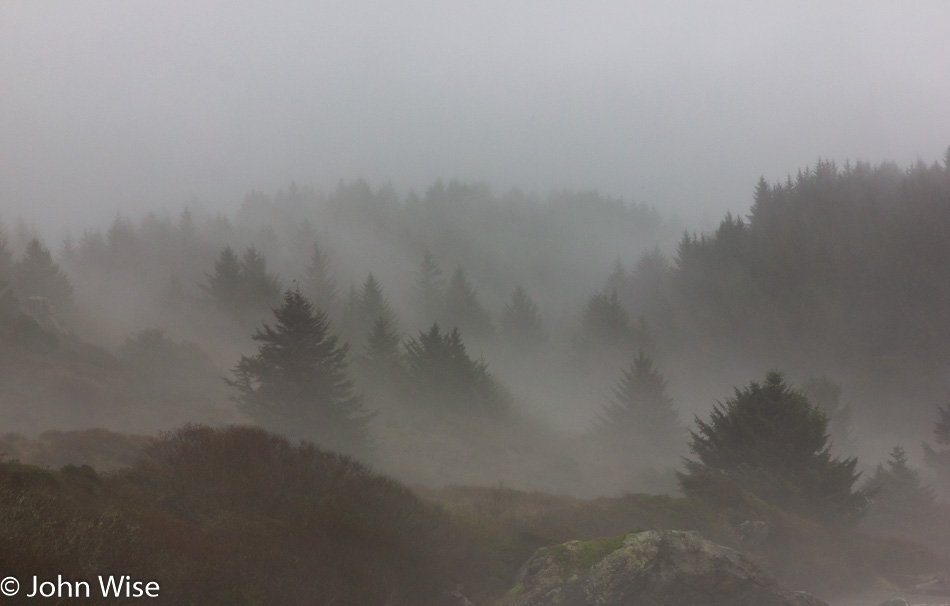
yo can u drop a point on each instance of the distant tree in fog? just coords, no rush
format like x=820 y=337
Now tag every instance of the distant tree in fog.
x=899 y=499
x=381 y=362
x=362 y=308
x=640 y=418
x=297 y=381
x=770 y=440
x=939 y=460
x=429 y=289
x=35 y=274
x=463 y=309
x=242 y=287
x=826 y=395
x=442 y=374
x=319 y=284
x=521 y=324
x=606 y=325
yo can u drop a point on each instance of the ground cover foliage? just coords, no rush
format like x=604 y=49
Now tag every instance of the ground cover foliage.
x=240 y=516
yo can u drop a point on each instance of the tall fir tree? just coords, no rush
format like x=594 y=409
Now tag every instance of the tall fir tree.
x=297 y=383
x=36 y=274
x=936 y=458
x=319 y=283
x=429 y=289
x=521 y=324
x=640 y=418
x=773 y=442
x=463 y=309
x=900 y=501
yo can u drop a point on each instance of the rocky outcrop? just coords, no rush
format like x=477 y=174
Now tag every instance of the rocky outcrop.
x=651 y=568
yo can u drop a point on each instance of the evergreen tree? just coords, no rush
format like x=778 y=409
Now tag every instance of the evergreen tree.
x=441 y=373
x=826 y=395
x=373 y=303
x=641 y=417
x=261 y=289
x=899 y=499
x=242 y=287
x=319 y=284
x=463 y=309
x=6 y=258
x=297 y=381
x=939 y=460
x=606 y=323
x=429 y=289
x=521 y=322
x=37 y=275
x=773 y=442
x=224 y=286
x=381 y=362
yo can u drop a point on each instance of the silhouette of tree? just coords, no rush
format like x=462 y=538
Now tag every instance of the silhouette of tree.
x=641 y=417
x=462 y=308
x=899 y=499
x=442 y=374
x=319 y=284
x=37 y=275
x=772 y=441
x=429 y=289
x=521 y=322
x=939 y=460
x=826 y=395
x=297 y=381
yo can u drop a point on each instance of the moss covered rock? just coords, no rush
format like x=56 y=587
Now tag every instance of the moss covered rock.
x=651 y=568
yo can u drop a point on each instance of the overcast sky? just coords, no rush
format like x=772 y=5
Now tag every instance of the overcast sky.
x=132 y=105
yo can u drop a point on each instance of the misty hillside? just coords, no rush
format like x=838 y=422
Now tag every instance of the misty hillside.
x=838 y=275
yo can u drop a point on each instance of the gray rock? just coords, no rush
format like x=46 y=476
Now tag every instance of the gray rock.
x=894 y=602
x=651 y=568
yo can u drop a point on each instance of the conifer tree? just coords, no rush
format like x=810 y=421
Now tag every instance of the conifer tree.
x=606 y=323
x=899 y=499
x=521 y=324
x=826 y=395
x=319 y=283
x=37 y=275
x=463 y=309
x=429 y=289
x=641 y=417
x=381 y=362
x=441 y=374
x=773 y=442
x=297 y=381
x=224 y=286
x=939 y=460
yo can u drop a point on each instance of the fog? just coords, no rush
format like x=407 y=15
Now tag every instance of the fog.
x=543 y=244
x=112 y=106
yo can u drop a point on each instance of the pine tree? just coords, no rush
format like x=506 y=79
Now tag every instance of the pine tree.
x=641 y=417
x=939 y=460
x=224 y=286
x=463 y=309
x=381 y=362
x=606 y=323
x=899 y=499
x=37 y=275
x=319 y=284
x=297 y=381
x=261 y=289
x=521 y=322
x=773 y=442
x=373 y=303
x=429 y=289
x=826 y=395
x=441 y=374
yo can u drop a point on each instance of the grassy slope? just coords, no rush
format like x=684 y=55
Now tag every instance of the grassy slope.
x=239 y=516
